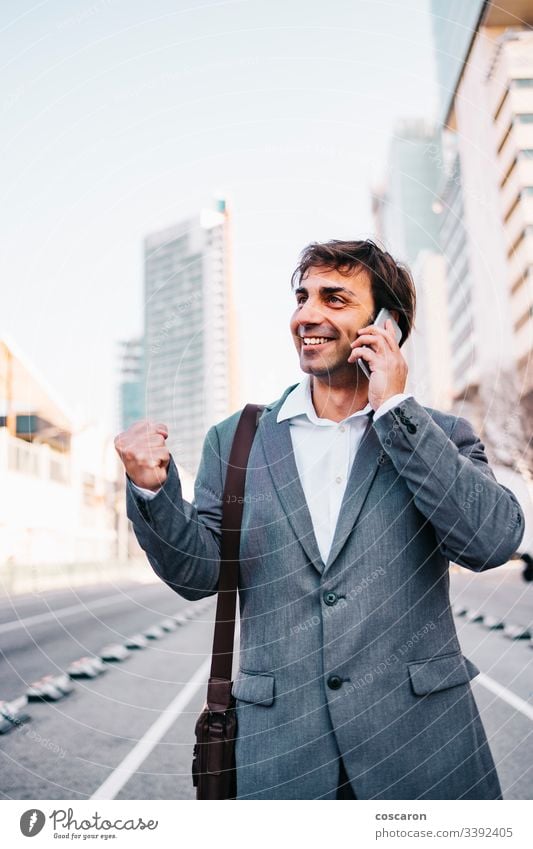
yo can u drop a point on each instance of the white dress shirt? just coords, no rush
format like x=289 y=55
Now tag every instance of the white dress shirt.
x=324 y=452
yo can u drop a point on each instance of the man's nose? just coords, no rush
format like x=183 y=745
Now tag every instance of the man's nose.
x=310 y=313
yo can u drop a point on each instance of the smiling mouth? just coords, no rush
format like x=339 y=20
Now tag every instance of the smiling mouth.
x=315 y=341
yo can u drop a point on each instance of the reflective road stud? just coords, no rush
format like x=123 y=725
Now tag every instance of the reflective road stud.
x=179 y=619
x=14 y=713
x=136 y=641
x=517 y=632
x=114 y=652
x=49 y=688
x=168 y=625
x=493 y=623
x=86 y=667
x=153 y=633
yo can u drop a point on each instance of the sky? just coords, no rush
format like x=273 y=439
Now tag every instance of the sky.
x=121 y=117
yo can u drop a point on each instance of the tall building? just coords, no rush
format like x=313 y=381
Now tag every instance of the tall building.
x=131 y=383
x=408 y=219
x=190 y=344
x=454 y=23
x=510 y=96
x=487 y=204
x=455 y=250
x=407 y=222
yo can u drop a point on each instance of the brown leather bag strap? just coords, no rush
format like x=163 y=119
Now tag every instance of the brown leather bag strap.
x=232 y=509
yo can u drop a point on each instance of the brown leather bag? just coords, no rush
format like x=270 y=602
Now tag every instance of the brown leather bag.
x=213 y=768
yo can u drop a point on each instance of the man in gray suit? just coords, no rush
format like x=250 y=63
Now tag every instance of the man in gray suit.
x=351 y=682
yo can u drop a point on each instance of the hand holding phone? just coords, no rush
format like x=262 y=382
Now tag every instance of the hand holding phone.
x=380 y=321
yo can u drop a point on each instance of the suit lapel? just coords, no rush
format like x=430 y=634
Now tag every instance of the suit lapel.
x=362 y=474
x=277 y=445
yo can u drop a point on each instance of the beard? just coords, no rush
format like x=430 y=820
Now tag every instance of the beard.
x=333 y=367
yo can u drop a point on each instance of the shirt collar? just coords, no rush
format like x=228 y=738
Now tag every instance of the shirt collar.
x=299 y=403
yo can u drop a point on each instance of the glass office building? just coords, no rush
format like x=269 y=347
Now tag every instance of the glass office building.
x=189 y=376
x=131 y=385
x=409 y=222
x=454 y=23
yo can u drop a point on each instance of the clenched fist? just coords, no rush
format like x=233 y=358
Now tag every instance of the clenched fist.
x=144 y=453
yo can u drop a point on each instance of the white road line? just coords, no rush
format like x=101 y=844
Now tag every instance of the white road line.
x=505 y=694
x=64 y=611
x=15 y=601
x=123 y=772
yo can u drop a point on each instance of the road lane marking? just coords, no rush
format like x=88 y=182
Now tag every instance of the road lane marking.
x=505 y=694
x=123 y=772
x=14 y=601
x=61 y=612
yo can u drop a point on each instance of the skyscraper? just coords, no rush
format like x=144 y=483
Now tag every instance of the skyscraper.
x=406 y=221
x=455 y=249
x=454 y=24
x=190 y=368
x=510 y=93
x=131 y=385
x=487 y=207
x=409 y=222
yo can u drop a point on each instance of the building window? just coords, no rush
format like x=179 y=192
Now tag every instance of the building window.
x=512 y=208
x=23 y=458
x=520 y=281
x=508 y=173
x=58 y=470
x=523 y=318
x=505 y=137
x=501 y=104
x=527 y=231
x=519 y=239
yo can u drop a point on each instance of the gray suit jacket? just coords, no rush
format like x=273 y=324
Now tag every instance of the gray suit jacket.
x=358 y=656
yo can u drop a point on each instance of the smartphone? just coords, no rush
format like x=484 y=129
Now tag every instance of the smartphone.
x=379 y=321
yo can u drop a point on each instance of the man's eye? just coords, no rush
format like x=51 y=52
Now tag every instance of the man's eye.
x=335 y=298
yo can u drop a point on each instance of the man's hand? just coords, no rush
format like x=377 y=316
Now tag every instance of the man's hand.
x=144 y=453
x=385 y=360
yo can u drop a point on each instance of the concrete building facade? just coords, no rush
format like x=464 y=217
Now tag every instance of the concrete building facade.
x=487 y=208
x=58 y=494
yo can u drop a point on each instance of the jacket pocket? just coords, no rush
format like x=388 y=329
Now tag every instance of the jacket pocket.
x=441 y=672
x=254 y=687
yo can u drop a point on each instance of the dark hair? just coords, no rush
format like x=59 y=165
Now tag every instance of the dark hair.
x=392 y=284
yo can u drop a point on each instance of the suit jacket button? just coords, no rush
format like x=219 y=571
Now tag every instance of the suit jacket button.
x=411 y=428
x=330 y=598
x=334 y=682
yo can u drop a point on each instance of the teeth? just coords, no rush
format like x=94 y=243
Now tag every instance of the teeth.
x=315 y=340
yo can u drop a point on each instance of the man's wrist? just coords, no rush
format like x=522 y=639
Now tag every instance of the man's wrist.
x=391 y=402
x=141 y=490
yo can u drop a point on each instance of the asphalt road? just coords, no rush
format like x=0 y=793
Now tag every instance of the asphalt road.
x=70 y=747
x=500 y=592
x=43 y=634
x=128 y=734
